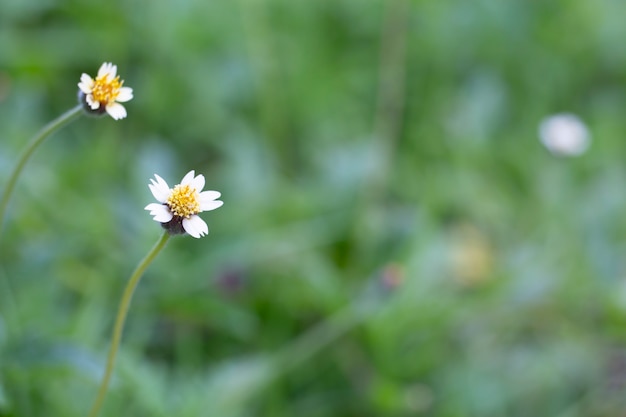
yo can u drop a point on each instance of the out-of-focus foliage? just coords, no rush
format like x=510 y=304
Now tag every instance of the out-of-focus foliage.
x=395 y=240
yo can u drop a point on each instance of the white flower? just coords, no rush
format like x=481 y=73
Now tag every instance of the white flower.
x=564 y=135
x=105 y=93
x=179 y=206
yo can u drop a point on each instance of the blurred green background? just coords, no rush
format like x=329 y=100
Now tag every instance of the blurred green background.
x=395 y=241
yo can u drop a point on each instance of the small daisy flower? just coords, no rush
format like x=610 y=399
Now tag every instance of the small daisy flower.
x=564 y=134
x=179 y=207
x=105 y=93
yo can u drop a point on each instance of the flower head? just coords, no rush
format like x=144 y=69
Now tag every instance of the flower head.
x=105 y=92
x=564 y=134
x=178 y=207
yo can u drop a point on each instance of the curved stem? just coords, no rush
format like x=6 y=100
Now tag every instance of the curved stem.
x=37 y=140
x=303 y=348
x=121 y=318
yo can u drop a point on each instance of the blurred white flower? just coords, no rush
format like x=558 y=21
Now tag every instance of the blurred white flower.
x=178 y=207
x=105 y=92
x=564 y=134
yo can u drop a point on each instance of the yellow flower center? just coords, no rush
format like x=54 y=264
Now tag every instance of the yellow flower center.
x=105 y=91
x=184 y=201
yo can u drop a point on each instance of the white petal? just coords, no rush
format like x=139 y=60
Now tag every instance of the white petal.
x=208 y=200
x=159 y=212
x=112 y=71
x=95 y=105
x=209 y=195
x=195 y=226
x=84 y=88
x=116 y=110
x=107 y=69
x=86 y=83
x=210 y=205
x=86 y=78
x=160 y=190
x=197 y=183
x=125 y=94
x=104 y=69
x=161 y=181
x=188 y=178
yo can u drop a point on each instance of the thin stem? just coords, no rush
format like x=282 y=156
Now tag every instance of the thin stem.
x=302 y=349
x=274 y=114
x=121 y=318
x=313 y=341
x=37 y=140
x=388 y=123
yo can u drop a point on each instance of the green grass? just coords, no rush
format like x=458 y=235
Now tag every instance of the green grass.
x=353 y=142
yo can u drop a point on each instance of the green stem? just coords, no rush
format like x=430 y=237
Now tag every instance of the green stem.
x=302 y=349
x=37 y=140
x=121 y=318
x=313 y=341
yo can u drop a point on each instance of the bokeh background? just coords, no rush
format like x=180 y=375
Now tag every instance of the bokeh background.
x=395 y=240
